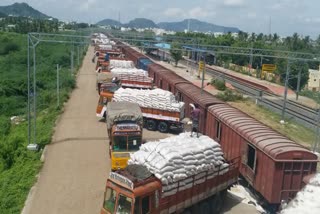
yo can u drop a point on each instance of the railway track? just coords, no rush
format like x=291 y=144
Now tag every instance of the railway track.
x=299 y=112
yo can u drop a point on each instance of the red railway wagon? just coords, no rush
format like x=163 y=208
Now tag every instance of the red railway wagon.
x=189 y=93
x=153 y=69
x=168 y=80
x=274 y=165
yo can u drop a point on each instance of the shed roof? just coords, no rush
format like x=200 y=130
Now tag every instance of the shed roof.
x=261 y=136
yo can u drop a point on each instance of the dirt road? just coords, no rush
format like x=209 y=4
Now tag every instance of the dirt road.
x=75 y=169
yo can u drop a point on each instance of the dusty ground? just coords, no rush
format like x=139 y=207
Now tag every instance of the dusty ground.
x=76 y=164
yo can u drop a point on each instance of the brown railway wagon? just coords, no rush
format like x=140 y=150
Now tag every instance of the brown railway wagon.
x=189 y=93
x=273 y=164
x=168 y=80
x=153 y=69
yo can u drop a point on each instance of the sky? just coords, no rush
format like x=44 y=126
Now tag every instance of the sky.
x=287 y=16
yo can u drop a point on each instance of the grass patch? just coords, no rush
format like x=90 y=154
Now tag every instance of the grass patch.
x=292 y=130
x=18 y=166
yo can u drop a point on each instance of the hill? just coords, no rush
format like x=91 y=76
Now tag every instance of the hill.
x=196 y=25
x=141 y=23
x=109 y=22
x=22 y=9
x=2 y=15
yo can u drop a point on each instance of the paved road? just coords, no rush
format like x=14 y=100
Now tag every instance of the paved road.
x=73 y=176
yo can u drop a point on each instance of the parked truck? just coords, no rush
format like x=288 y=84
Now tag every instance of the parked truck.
x=135 y=190
x=124 y=124
x=160 y=110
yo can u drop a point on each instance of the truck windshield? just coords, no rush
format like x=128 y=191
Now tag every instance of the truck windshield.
x=120 y=143
x=109 y=199
x=124 y=204
x=134 y=142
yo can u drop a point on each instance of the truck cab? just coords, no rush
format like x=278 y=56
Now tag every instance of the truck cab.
x=126 y=138
x=125 y=125
x=125 y=196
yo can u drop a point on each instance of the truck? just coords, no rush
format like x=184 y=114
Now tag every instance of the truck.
x=155 y=108
x=133 y=78
x=124 y=125
x=136 y=190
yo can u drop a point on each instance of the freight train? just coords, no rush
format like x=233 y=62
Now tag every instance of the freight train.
x=272 y=164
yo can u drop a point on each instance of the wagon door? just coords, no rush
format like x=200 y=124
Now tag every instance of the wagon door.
x=249 y=160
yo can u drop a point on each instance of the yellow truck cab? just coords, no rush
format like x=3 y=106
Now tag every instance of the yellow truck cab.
x=125 y=124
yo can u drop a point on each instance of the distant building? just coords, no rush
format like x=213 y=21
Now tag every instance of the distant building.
x=314 y=80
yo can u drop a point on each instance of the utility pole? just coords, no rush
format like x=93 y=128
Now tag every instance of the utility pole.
x=71 y=62
x=58 y=86
x=315 y=146
x=78 y=49
x=285 y=92
x=298 y=84
x=203 y=71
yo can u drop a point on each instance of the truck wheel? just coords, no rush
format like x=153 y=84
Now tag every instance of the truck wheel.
x=151 y=125
x=163 y=127
x=205 y=208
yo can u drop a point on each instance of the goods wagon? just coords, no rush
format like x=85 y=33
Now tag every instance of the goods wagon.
x=143 y=63
x=153 y=69
x=189 y=93
x=273 y=165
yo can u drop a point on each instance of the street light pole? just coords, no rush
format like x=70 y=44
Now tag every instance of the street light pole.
x=203 y=70
x=285 y=92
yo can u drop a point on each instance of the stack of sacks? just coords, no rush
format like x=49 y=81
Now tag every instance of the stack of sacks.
x=121 y=64
x=155 y=99
x=127 y=71
x=173 y=160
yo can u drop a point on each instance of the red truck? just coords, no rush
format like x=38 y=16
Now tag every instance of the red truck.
x=136 y=190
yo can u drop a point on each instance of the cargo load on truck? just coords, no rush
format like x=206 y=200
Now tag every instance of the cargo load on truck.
x=159 y=107
x=123 y=111
x=199 y=176
x=121 y=64
x=178 y=157
x=133 y=78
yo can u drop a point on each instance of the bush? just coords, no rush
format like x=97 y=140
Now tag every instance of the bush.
x=5 y=125
x=230 y=95
x=219 y=84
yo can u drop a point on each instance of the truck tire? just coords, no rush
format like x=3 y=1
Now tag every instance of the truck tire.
x=151 y=125
x=205 y=208
x=163 y=127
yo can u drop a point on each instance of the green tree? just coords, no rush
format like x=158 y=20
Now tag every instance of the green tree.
x=176 y=52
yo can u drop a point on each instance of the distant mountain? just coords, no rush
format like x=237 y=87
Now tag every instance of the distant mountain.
x=196 y=25
x=109 y=22
x=22 y=9
x=2 y=15
x=141 y=23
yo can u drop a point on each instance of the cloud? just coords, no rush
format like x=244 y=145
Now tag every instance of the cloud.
x=174 y=12
x=234 y=3
x=312 y=20
x=86 y=5
x=251 y=15
x=199 y=12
